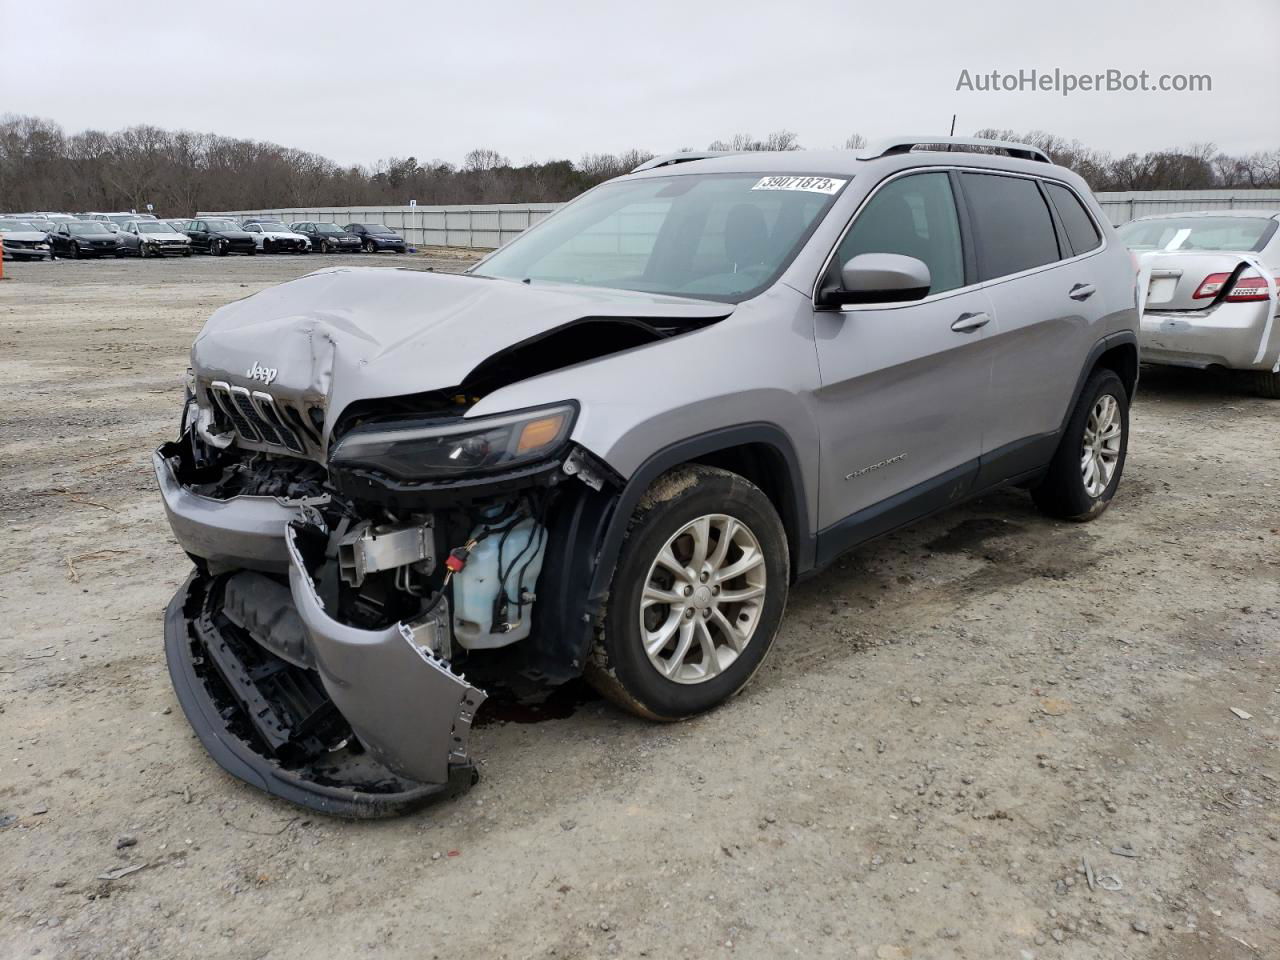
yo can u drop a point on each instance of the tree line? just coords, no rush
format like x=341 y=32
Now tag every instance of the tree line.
x=42 y=167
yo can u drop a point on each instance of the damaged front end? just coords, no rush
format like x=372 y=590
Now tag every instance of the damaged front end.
x=318 y=649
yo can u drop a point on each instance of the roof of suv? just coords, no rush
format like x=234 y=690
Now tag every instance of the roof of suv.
x=850 y=163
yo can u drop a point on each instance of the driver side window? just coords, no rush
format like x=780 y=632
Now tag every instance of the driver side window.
x=914 y=216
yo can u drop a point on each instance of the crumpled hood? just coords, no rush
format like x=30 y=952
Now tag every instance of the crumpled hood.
x=346 y=334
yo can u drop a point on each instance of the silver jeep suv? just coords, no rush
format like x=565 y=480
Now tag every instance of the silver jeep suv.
x=611 y=447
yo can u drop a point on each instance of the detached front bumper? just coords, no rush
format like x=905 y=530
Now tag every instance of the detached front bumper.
x=347 y=721
x=1228 y=335
x=240 y=533
x=231 y=692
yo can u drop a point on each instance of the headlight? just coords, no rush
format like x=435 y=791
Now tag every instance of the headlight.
x=441 y=449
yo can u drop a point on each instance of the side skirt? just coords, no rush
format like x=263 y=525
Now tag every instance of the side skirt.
x=1018 y=462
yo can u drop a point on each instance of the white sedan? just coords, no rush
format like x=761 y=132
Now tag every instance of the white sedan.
x=1211 y=298
x=272 y=236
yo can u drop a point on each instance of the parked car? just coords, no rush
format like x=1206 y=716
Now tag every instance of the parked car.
x=220 y=236
x=86 y=238
x=1211 y=301
x=152 y=238
x=389 y=478
x=374 y=237
x=272 y=236
x=23 y=241
x=327 y=237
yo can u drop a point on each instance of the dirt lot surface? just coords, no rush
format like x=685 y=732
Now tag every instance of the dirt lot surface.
x=955 y=721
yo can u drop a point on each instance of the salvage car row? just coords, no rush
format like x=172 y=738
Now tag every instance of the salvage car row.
x=53 y=235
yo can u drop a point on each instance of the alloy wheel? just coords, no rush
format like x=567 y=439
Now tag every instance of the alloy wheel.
x=1100 y=450
x=703 y=599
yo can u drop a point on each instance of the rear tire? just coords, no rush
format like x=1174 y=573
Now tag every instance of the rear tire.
x=667 y=660
x=1267 y=384
x=1086 y=469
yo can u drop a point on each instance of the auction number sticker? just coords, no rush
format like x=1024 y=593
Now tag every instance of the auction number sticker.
x=826 y=185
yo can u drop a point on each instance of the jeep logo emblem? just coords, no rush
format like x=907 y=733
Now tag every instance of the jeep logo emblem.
x=259 y=372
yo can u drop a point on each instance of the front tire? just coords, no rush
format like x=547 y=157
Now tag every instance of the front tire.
x=1267 y=384
x=697 y=596
x=1084 y=473
x=369 y=247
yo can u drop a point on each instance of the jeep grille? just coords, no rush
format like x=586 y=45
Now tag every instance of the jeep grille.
x=259 y=419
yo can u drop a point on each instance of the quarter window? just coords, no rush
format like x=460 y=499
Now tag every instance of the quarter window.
x=914 y=216
x=1011 y=222
x=1082 y=233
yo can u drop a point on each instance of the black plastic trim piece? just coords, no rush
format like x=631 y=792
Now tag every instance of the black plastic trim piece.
x=938 y=493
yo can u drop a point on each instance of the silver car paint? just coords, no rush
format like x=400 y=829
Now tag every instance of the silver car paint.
x=1181 y=331
x=851 y=389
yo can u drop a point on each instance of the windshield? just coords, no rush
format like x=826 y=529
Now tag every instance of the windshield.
x=87 y=228
x=328 y=228
x=272 y=226
x=716 y=236
x=1197 y=233
x=6 y=224
x=376 y=228
x=148 y=226
x=222 y=225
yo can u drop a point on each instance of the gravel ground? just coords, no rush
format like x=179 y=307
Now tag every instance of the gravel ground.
x=960 y=726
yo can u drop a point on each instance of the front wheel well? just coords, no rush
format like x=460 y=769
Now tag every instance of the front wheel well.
x=767 y=468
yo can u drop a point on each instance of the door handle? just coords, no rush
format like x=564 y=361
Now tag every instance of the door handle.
x=969 y=322
x=1081 y=291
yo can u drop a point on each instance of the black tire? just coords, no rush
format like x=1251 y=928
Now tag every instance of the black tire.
x=1062 y=492
x=186 y=252
x=252 y=251
x=1267 y=384
x=619 y=666
x=75 y=251
x=369 y=247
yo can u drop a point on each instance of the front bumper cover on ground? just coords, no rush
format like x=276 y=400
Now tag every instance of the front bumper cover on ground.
x=378 y=728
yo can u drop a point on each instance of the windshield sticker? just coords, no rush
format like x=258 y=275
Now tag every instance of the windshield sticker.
x=828 y=185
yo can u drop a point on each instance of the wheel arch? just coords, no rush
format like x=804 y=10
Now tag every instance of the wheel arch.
x=597 y=525
x=1117 y=351
x=760 y=452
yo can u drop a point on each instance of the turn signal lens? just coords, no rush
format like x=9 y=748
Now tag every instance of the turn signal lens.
x=540 y=433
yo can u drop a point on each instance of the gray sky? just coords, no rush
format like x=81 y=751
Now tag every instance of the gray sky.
x=555 y=80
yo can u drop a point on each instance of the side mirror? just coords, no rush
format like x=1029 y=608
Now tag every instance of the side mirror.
x=878 y=278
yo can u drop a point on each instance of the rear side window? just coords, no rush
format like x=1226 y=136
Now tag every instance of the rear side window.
x=914 y=216
x=1082 y=233
x=1012 y=223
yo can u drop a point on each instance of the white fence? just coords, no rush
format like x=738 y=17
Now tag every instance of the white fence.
x=487 y=226
x=1123 y=207
x=484 y=226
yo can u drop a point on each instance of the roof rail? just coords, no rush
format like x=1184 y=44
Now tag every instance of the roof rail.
x=668 y=159
x=894 y=145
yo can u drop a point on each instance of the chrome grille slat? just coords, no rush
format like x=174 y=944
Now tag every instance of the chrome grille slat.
x=258 y=418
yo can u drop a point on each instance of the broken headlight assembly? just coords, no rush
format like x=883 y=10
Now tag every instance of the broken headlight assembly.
x=425 y=449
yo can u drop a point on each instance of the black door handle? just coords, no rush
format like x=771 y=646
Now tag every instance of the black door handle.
x=1081 y=291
